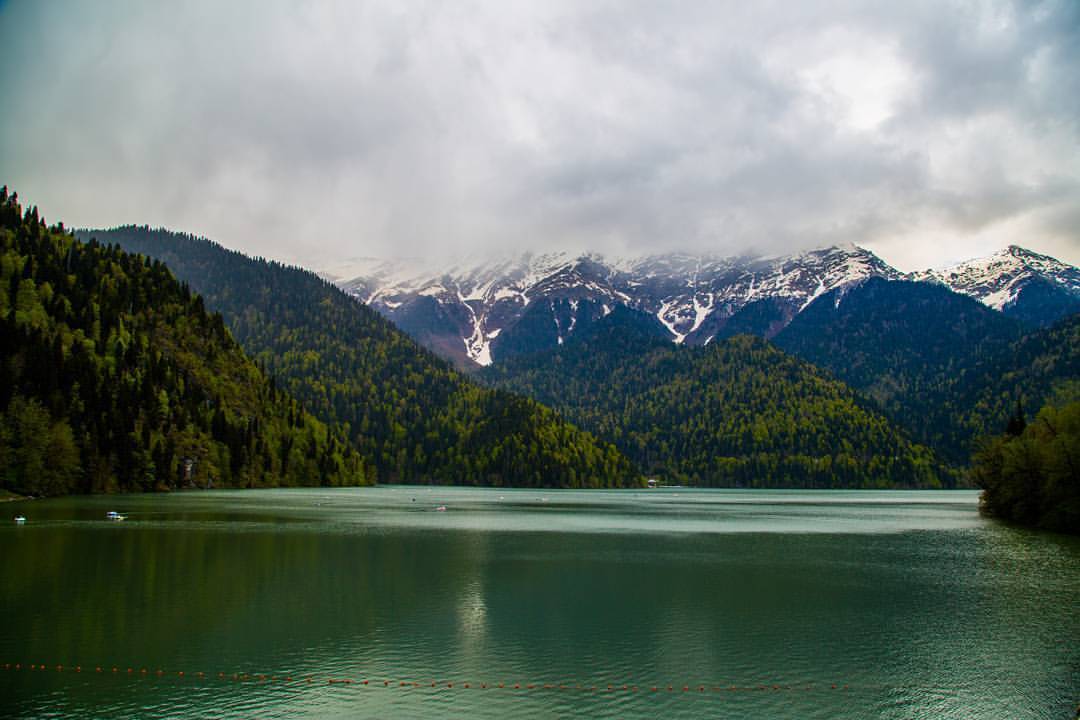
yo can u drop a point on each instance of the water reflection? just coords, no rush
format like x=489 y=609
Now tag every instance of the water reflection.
x=926 y=611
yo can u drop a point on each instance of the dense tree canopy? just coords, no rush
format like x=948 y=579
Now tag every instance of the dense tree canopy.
x=736 y=412
x=1031 y=475
x=941 y=365
x=115 y=377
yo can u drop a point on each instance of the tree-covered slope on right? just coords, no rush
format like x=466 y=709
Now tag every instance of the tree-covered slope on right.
x=942 y=365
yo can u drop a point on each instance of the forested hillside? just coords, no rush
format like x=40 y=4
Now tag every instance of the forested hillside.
x=1031 y=473
x=411 y=414
x=113 y=376
x=736 y=412
x=941 y=365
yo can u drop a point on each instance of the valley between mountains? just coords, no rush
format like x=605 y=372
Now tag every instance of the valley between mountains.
x=824 y=369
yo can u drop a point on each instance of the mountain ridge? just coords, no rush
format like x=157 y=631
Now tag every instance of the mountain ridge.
x=469 y=311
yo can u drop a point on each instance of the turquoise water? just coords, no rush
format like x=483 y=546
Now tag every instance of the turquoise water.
x=745 y=604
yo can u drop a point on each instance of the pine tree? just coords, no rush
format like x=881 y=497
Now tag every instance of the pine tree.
x=1017 y=422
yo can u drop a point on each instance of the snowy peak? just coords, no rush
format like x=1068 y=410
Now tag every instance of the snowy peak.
x=999 y=280
x=475 y=312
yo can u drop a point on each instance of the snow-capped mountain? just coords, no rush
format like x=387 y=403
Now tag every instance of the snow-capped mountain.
x=1035 y=288
x=477 y=312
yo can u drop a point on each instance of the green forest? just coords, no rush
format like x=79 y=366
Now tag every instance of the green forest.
x=942 y=366
x=116 y=377
x=143 y=359
x=734 y=413
x=1031 y=473
x=411 y=415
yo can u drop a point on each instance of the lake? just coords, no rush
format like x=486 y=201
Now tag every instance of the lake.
x=512 y=603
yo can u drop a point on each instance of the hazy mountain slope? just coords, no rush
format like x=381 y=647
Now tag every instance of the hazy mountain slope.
x=112 y=373
x=415 y=417
x=737 y=412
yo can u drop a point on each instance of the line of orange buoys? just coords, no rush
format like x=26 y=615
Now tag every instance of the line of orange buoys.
x=409 y=684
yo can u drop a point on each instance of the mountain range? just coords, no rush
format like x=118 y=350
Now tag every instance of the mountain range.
x=411 y=415
x=481 y=312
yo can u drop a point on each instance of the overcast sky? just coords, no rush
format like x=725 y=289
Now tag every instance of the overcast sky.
x=317 y=131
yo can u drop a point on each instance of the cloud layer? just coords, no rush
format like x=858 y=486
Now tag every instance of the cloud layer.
x=929 y=131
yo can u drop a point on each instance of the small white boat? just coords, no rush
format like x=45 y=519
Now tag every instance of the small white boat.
x=20 y=520
x=441 y=508
x=115 y=516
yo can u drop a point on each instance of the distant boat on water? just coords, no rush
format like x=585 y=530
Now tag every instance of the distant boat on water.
x=20 y=520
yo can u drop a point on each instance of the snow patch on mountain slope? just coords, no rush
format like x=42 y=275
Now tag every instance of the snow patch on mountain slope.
x=691 y=295
x=997 y=280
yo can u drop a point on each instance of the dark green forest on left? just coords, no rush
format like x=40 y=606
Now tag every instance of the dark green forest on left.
x=116 y=377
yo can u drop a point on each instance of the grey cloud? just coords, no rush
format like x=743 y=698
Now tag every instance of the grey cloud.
x=320 y=131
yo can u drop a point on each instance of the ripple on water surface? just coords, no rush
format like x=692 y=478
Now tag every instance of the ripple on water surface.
x=745 y=604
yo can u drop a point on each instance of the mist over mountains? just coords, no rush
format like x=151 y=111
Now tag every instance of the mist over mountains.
x=480 y=311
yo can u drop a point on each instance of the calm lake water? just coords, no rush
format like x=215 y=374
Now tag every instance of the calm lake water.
x=745 y=604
